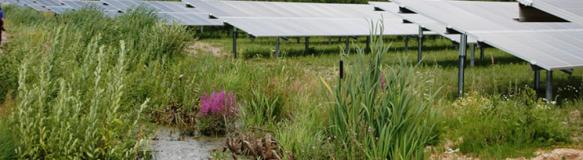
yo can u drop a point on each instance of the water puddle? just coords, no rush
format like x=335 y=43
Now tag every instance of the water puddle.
x=172 y=145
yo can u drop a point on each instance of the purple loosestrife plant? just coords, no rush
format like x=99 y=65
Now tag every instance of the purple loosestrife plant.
x=217 y=111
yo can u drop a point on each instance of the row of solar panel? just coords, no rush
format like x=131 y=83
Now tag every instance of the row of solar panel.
x=260 y=19
x=172 y=12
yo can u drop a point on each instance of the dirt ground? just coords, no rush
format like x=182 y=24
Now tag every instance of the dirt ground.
x=198 y=47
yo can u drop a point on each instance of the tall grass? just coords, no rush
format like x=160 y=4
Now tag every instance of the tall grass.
x=380 y=115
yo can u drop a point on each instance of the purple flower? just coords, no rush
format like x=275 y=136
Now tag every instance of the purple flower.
x=218 y=103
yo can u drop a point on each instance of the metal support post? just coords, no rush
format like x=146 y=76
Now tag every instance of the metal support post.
x=536 y=71
x=481 y=52
x=420 y=45
x=462 y=59
x=473 y=54
x=549 y=92
x=234 y=42
x=347 y=48
x=406 y=42
x=277 y=49
x=306 y=44
x=368 y=40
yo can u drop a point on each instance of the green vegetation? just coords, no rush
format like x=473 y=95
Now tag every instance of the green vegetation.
x=83 y=86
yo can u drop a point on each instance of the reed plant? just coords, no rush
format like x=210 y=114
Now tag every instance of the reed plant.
x=380 y=113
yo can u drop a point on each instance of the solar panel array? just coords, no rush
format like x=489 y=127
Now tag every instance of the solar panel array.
x=285 y=19
x=494 y=23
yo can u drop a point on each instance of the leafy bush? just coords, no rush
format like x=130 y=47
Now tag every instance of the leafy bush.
x=370 y=122
x=217 y=114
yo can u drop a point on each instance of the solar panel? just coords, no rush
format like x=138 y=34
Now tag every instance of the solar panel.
x=423 y=21
x=494 y=23
x=547 y=49
x=121 y=5
x=188 y=19
x=165 y=6
x=473 y=16
x=30 y=4
x=178 y=13
x=571 y=10
x=47 y=2
x=59 y=9
x=223 y=9
x=303 y=27
x=9 y=1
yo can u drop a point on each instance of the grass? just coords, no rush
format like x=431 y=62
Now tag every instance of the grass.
x=87 y=86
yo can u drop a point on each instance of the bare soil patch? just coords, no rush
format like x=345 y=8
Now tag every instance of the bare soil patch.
x=199 y=47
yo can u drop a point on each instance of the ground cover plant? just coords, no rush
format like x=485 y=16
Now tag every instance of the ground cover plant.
x=83 y=86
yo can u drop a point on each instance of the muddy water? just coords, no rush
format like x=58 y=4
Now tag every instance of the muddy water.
x=170 y=144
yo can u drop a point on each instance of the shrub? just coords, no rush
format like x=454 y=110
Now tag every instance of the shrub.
x=217 y=113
